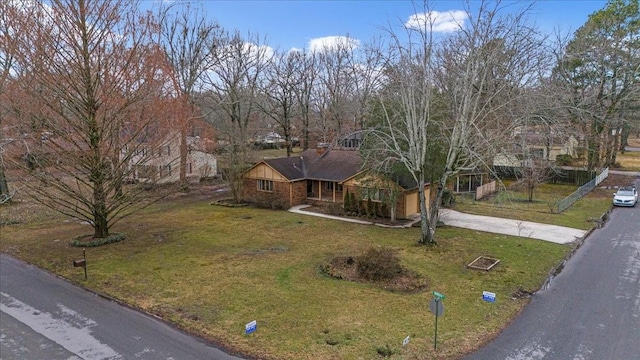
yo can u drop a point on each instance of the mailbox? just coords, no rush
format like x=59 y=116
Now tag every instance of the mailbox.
x=80 y=263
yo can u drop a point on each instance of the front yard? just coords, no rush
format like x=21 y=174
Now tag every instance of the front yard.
x=212 y=269
x=515 y=205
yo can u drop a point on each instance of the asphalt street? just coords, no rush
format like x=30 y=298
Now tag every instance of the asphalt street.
x=591 y=310
x=44 y=317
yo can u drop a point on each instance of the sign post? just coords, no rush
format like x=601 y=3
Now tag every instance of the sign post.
x=406 y=340
x=488 y=296
x=437 y=308
x=250 y=327
x=82 y=263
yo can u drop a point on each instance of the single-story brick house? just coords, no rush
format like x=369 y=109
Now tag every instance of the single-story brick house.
x=320 y=176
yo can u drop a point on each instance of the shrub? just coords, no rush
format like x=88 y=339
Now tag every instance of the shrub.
x=448 y=198
x=385 y=351
x=379 y=264
x=564 y=160
x=113 y=238
x=271 y=203
x=335 y=209
x=358 y=207
x=369 y=210
x=384 y=210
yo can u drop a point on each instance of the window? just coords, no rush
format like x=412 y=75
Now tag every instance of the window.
x=373 y=194
x=165 y=170
x=141 y=151
x=164 y=150
x=265 y=185
x=331 y=185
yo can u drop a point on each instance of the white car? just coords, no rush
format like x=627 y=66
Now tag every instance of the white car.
x=625 y=196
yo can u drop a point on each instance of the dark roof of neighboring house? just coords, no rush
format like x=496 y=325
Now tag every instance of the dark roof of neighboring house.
x=405 y=180
x=318 y=164
x=537 y=139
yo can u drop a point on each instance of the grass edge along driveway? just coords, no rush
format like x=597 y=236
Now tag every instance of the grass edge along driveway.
x=210 y=270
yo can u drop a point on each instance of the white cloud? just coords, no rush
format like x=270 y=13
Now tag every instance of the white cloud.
x=447 y=21
x=260 y=52
x=329 y=43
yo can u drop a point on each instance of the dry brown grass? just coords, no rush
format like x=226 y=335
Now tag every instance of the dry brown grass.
x=211 y=269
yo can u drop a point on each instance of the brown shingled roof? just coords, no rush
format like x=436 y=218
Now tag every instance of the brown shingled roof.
x=328 y=165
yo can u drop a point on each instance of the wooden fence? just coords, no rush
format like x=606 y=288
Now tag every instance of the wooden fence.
x=485 y=190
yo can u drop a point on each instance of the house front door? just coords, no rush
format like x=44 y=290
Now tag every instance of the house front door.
x=310 y=188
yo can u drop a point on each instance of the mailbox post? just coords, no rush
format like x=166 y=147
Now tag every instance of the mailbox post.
x=82 y=263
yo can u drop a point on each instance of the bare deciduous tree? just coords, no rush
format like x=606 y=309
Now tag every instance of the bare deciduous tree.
x=455 y=95
x=189 y=42
x=92 y=91
x=406 y=102
x=10 y=28
x=282 y=81
x=334 y=89
x=307 y=73
x=232 y=87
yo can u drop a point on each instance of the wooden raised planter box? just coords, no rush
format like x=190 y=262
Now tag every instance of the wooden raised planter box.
x=483 y=263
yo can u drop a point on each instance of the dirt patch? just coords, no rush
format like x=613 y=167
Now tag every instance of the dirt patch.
x=346 y=268
x=213 y=190
x=24 y=209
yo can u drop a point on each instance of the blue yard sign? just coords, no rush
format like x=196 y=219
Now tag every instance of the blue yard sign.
x=488 y=296
x=250 y=327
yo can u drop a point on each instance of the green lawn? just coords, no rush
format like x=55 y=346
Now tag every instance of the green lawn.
x=212 y=269
x=629 y=161
x=515 y=205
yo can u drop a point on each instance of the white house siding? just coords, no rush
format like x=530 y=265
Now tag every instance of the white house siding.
x=162 y=164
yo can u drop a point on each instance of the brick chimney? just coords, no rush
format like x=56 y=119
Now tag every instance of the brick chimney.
x=321 y=148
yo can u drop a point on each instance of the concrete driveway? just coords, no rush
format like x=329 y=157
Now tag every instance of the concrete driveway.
x=553 y=233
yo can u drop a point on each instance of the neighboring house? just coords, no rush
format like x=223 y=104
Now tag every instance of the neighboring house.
x=352 y=140
x=319 y=176
x=468 y=181
x=273 y=140
x=162 y=163
x=532 y=144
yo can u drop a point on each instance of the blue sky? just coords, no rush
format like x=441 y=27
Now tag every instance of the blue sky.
x=294 y=23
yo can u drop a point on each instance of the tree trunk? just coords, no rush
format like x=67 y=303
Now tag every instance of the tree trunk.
x=624 y=138
x=593 y=152
x=184 y=149
x=100 y=223
x=5 y=196
x=428 y=231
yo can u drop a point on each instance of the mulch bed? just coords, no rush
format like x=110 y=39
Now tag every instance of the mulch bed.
x=376 y=220
x=346 y=268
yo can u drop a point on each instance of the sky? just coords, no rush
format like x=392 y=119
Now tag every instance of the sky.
x=300 y=24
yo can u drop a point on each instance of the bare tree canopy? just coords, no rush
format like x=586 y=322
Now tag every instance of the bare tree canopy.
x=189 y=42
x=232 y=87
x=88 y=105
x=449 y=100
x=279 y=89
x=598 y=79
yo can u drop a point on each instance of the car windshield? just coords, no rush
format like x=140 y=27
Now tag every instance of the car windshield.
x=625 y=193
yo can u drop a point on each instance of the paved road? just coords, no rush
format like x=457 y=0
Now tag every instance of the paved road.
x=44 y=317
x=591 y=310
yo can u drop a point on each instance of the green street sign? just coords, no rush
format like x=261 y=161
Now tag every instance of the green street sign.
x=438 y=295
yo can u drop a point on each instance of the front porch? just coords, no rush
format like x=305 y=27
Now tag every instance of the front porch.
x=320 y=190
